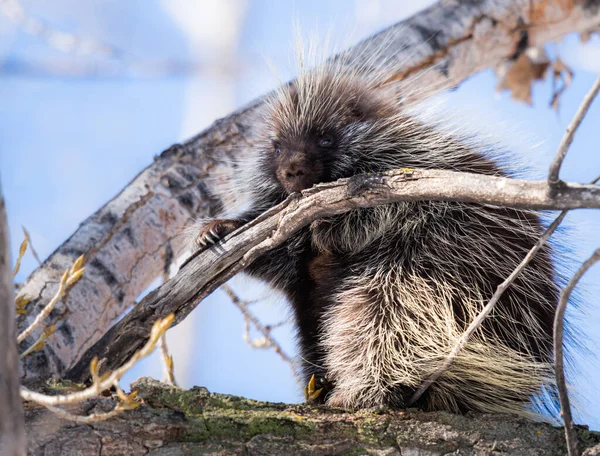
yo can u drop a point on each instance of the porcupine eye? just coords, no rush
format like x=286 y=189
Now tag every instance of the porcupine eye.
x=276 y=149
x=325 y=141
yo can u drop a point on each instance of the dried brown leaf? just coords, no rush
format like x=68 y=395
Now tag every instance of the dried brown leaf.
x=519 y=78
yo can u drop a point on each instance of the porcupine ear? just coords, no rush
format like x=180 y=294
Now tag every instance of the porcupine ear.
x=293 y=92
x=365 y=108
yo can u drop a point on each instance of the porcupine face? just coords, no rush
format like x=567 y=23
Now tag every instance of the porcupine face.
x=315 y=127
x=300 y=161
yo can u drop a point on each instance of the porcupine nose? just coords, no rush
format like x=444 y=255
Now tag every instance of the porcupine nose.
x=296 y=176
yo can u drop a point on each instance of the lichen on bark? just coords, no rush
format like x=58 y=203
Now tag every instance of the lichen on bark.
x=174 y=421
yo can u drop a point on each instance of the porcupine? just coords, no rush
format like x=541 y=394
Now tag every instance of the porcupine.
x=381 y=295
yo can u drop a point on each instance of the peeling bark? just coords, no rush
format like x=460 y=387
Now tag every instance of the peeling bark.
x=173 y=422
x=125 y=242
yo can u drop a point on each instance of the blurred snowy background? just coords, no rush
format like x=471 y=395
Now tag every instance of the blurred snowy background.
x=90 y=91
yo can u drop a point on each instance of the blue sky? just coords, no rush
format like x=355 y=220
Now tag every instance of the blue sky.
x=69 y=144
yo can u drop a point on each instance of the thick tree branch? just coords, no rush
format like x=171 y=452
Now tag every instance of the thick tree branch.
x=173 y=422
x=207 y=270
x=12 y=428
x=124 y=242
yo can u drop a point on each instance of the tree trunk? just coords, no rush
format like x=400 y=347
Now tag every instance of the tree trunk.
x=12 y=429
x=173 y=422
x=126 y=242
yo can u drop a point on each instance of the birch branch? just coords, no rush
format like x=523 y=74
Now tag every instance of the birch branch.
x=124 y=242
x=208 y=269
x=12 y=426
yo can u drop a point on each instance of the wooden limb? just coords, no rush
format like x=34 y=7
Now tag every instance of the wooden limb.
x=559 y=323
x=172 y=421
x=124 y=242
x=12 y=427
x=208 y=269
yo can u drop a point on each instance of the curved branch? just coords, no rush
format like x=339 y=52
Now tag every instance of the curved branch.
x=208 y=269
x=561 y=153
x=559 y=323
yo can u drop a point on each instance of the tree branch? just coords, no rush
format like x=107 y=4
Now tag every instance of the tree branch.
x=124 y=242
x=172 y=421
x=553 y=174
x=270 y=342
x=12 y=428
x=208 y=269
x=559 y=324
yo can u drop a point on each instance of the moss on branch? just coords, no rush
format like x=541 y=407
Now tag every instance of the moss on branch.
x=173 y=421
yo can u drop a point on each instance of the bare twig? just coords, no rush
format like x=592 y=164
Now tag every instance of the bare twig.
x=563 y=396
x=167 y=360
x=40 y=342
x=91 y=418
x=269 y=341
x=33 y=251
x=22 y=250
x=106 y=381
x=127 y=402
x=490 y=305
x=553 y=174
x=70 y=277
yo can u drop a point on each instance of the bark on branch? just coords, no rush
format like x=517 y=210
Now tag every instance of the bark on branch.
x=12 y=429
x=175 y=422
x=207 y=270
x=126 y=241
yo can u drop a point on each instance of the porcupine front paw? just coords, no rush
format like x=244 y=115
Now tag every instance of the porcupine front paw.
x=215 y=230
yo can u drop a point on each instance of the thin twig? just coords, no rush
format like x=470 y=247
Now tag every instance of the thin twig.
x=570 y=434
x=490 y=305
x=167 y=360
x=40 y=342
x=22 y=250
x=91 y=418
x=266 y=333
x=33 y=251
x=553 y=174
x=107 y=380
x=70 y=277
x=162 y=342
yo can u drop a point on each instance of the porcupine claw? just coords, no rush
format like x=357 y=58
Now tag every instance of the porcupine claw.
x=310 y=391
x=215 y=230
